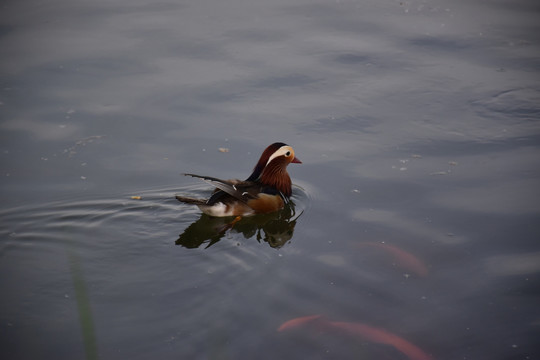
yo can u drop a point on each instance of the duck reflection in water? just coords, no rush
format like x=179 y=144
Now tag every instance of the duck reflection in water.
x=276 y=228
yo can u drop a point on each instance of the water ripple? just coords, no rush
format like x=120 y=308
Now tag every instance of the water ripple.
x=148 y=213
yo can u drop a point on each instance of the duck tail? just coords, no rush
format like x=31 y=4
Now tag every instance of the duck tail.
x=188 y=200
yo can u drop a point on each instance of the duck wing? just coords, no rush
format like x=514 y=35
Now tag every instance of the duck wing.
x=241 y=190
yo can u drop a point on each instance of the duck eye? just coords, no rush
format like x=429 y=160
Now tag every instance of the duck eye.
x=288 y=153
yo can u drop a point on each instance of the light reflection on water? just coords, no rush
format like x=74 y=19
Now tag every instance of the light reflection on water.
x=417 y=124
x=119 y=255
x=109 y=246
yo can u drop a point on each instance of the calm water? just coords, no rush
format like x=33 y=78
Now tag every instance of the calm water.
x=416 y=209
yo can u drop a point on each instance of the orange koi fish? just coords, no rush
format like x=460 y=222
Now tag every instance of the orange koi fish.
x=299 y=321
x=402 y=258
x=363 y=331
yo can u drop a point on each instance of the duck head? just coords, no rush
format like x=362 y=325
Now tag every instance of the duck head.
x=271 y=169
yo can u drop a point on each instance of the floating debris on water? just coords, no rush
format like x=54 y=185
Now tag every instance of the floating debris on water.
x=402 y=168
x=136 y=197
x=440 y=173
x=223 y=150
x=83 y=142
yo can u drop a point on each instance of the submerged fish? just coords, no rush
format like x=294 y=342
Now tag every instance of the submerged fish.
x=402 y=258
x=363 y=331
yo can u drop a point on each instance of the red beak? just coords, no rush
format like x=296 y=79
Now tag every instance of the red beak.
x=296 y=161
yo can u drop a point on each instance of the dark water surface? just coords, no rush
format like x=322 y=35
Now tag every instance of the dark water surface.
x=417 y=206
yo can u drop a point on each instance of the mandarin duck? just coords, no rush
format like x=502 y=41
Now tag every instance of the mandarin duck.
x=266 y=190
